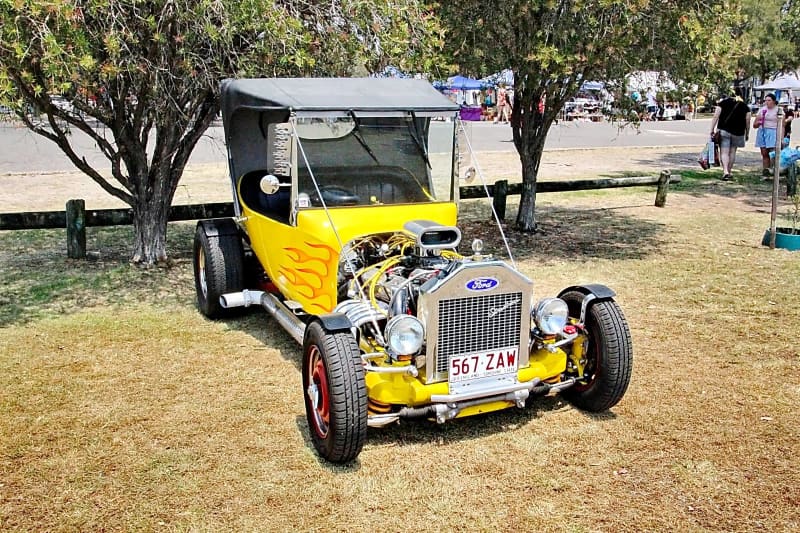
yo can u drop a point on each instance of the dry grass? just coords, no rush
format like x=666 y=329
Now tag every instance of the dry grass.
x=121 y=408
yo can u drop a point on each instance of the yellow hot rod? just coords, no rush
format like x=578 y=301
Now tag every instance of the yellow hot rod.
x=346 y=198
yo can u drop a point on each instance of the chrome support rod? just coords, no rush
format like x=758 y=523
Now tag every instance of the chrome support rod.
x=302 y=151
x=486 y=189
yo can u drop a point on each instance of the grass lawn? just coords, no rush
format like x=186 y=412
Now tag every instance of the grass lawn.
x=122 y=408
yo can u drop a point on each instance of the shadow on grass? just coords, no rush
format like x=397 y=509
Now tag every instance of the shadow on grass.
x=260 y=325
x=344 y=468
x=39 y=280
x=747 y=184
x=571 y=234
x=420 y=431
x=748 y=187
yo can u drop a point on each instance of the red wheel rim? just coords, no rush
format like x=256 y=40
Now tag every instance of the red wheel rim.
x=318 y=393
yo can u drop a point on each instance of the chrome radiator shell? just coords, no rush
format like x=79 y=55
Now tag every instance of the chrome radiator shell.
x=477 y=306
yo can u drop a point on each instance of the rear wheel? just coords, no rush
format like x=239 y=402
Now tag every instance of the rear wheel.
x=609 y=355
x=335 y=393
x=218 y=266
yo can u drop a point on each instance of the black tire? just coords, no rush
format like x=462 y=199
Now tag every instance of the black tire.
x=218 y=269
x=335 y=393
x=609 y=355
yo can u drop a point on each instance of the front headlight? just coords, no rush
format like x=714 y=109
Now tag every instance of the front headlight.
x=405 y=334
x=551 y=315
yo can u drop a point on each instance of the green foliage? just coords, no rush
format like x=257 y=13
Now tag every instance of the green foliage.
x=790 y=29
x=554 y=45
x=769 y=36
x=150 y=71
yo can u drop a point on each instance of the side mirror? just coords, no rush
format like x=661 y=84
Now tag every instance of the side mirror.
x=469 y=175
x=270 y=184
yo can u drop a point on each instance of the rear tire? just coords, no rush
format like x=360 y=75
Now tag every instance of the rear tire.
x=335 y=393
x=218 y=268
x=609 y=355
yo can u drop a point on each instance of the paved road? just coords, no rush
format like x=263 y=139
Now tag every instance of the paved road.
x=490 y=137
x=22 y=151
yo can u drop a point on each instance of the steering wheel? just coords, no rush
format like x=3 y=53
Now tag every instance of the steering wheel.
x=335 y=196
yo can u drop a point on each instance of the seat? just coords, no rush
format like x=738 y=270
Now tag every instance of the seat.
x=275 y=206
x=370 y=184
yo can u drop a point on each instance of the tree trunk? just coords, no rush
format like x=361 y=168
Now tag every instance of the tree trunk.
x=150 y=217
x=531 y=117
x=150 y=233
x=526 y=216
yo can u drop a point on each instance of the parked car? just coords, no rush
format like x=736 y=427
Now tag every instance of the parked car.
x=346 y=199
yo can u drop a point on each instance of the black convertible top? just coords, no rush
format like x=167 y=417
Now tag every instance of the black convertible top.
x=250 y=106
x=331 y=94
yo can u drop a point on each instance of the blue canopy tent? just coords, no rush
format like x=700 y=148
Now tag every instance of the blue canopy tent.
x=469 y=111
x=465 y=84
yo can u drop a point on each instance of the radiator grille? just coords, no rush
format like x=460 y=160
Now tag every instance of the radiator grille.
x=476 y=324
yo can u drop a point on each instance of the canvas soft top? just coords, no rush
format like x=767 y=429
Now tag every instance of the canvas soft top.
x=249 y=106
x=331 y=94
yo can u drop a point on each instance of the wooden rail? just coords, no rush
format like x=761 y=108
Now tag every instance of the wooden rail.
x=501 y=190
x=109 y=217
x=76 y=218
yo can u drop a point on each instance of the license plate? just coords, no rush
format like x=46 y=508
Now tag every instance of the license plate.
x=482 y=364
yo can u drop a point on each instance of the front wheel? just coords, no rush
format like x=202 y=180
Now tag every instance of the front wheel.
x=609 y=355
x=335 y=393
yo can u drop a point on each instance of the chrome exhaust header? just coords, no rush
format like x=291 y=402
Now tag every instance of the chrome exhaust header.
x=288 y=320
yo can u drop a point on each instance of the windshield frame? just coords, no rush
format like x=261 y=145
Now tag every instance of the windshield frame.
x=445 y=189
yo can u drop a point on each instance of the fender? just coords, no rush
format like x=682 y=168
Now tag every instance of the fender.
x=215 y=227
x=600 y=292
x=592 y=292
x=335 y=322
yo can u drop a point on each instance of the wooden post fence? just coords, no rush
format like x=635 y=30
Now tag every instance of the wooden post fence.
x=499 y=198
x=76 y=229
x=501 y=190
x=663 y=187
x=76 y=218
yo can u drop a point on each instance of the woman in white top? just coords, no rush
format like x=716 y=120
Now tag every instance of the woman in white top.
x=767 y=123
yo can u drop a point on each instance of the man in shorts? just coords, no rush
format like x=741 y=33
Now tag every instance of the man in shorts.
x=731 y=119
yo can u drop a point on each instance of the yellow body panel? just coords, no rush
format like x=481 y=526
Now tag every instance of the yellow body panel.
x=483 y=408
x=402 y=389
x=302 y=260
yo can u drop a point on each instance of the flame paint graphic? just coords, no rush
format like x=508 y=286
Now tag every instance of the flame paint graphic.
x=313 y=266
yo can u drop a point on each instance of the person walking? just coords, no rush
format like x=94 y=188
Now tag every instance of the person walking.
x=652 y=103
x=767 y=123
x=731 y=119
x=502 y=105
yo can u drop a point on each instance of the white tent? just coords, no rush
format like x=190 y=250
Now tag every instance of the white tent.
x=782 y=82
x=643 y=79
